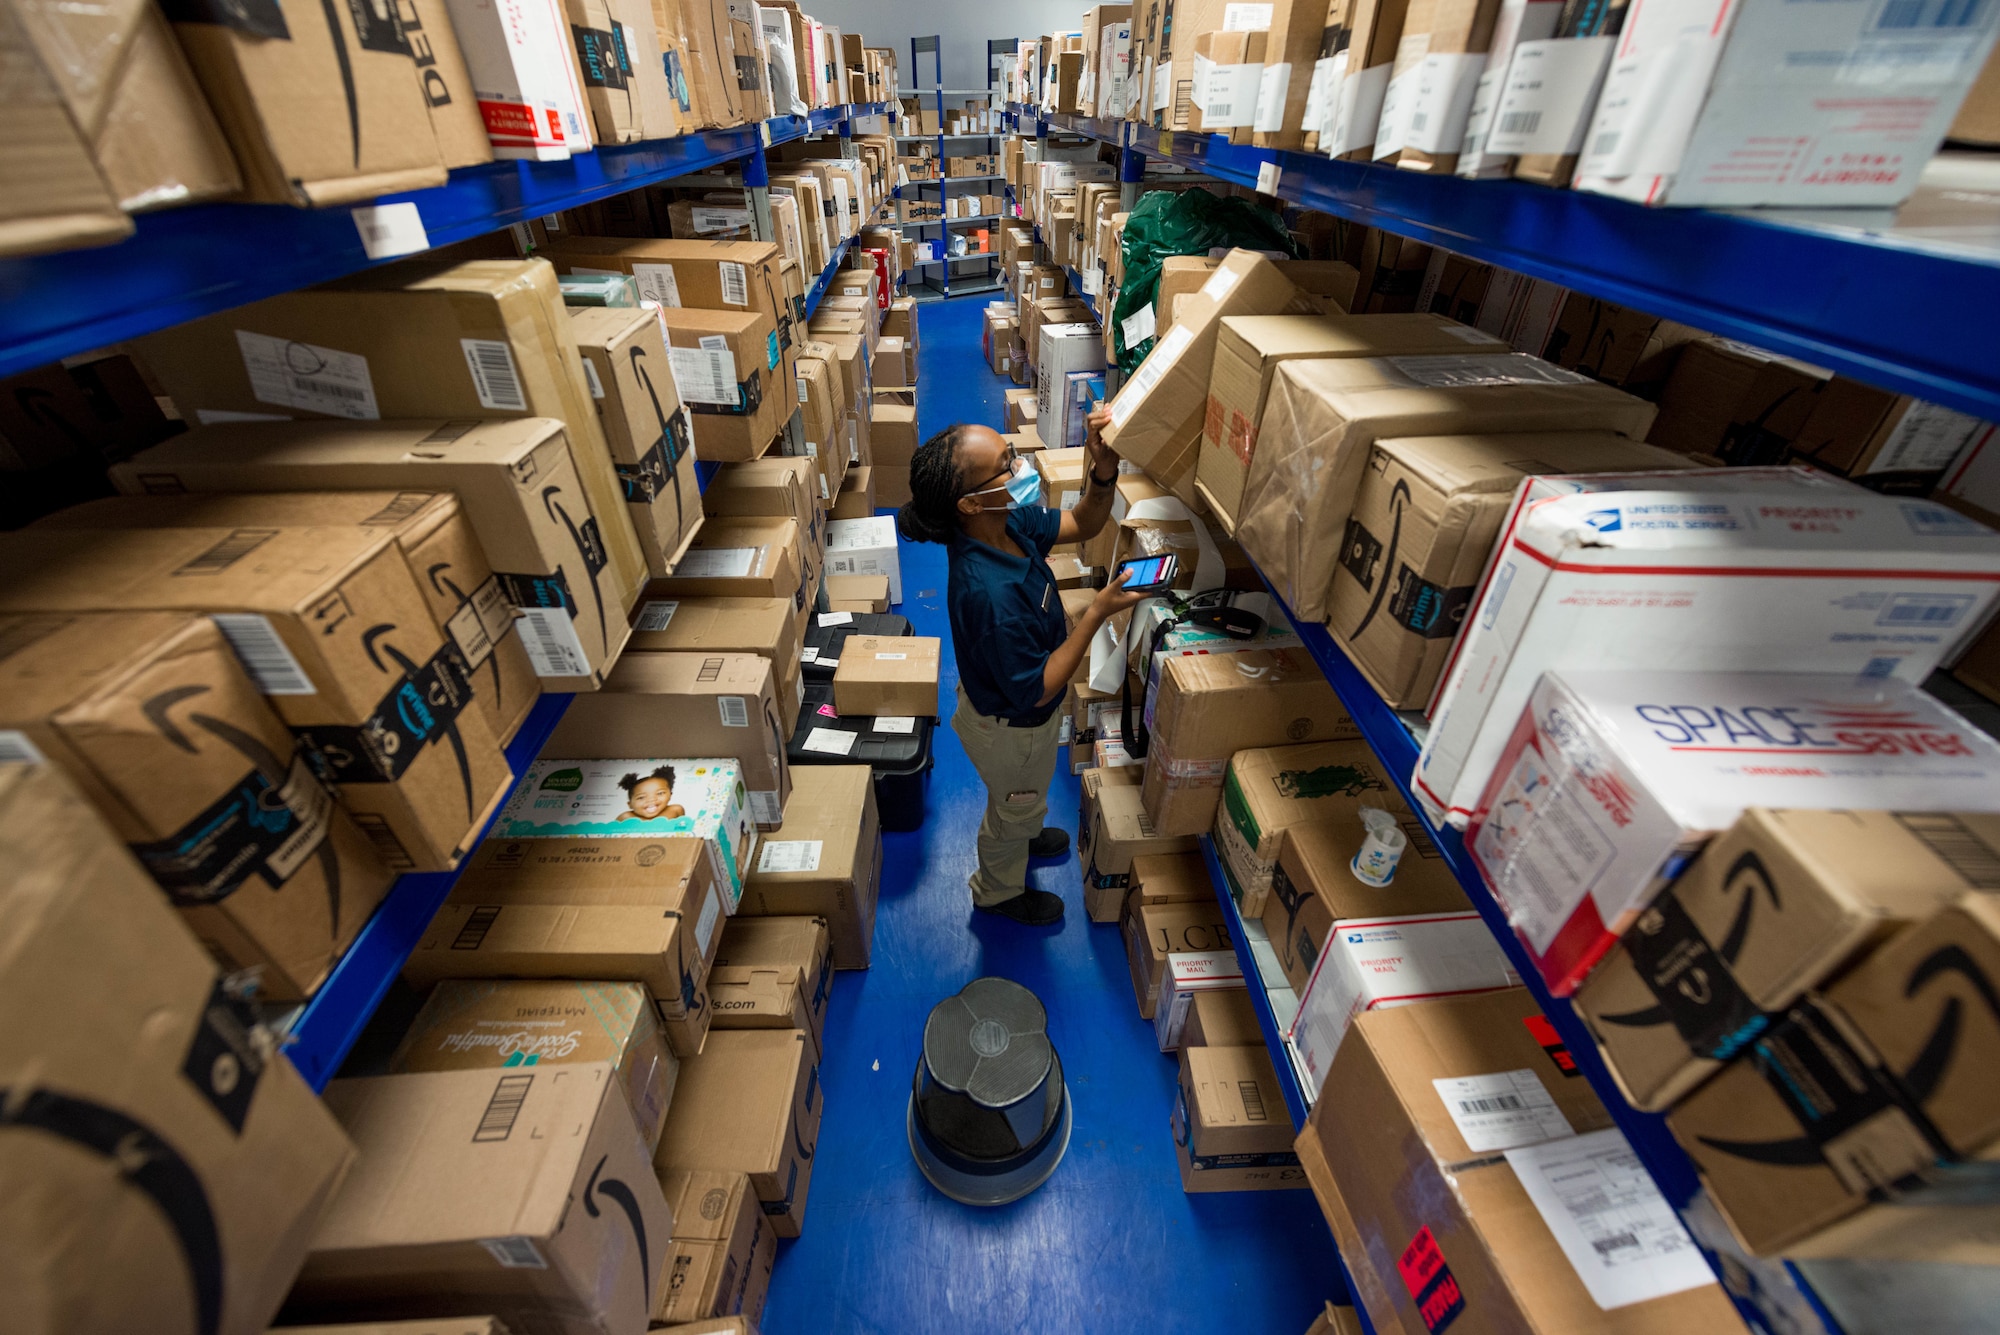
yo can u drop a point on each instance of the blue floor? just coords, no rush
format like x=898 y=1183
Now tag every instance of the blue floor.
x=1111 y=1244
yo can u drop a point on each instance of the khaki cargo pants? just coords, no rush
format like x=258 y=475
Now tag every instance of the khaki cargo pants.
x=1017 y=766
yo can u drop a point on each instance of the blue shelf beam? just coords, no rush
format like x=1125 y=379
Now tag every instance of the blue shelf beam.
x=1902 y=312
x=181 y=264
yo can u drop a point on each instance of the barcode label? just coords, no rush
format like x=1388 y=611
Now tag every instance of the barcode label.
x=472 y=934
x=656 y=283
x=387 y=845
x=1502 y=1111
x=735 y=284
x=308 y=377
x=710 y=220
x=1253 y=1101
x=264 y=655
x=1616 y=1242
x=1606 y=143
x=515 y=1253
x=1955 y=845
x=590 y=374
x=1931 y=15
x=1502 y=1103
x=16 y=746
x=497 y=1122
x=734 y=712
x=1919 y=609
x=895 y=723
x=493 y=374
x=1521 y=122
x=658 y=614
x=549 y=636
x=705 y=375
x=226 y=553
x=389 y=230
x=781 y=855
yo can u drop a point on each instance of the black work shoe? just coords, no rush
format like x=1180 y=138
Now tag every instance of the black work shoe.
x=1031 y=908
x=1052 y=842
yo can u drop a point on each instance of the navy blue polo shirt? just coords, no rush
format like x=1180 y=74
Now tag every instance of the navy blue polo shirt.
x=1007 y=617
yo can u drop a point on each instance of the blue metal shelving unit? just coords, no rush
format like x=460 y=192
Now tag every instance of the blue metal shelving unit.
x=1901 y=299
x=185 y=263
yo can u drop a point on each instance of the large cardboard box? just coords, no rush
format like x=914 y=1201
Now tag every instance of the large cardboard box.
x=466 y=599
x=1903 y=1051
x=1324 y=416
x=1156 y=419
x=152 y=716
x=147 y=1054
x=645 y=424
x=774 y=973
x=1883 y=586
x=766 y=627
x=418 y=339
x=710 y=703
x=892 y=434
x=1420 y=534
x=1209 y=707
x=321 y=107
x=1112 y=830
x=1222 y=1018
x=1462 y=1194
x=1155 y=931
x=519 y=483
x=883 y=675
x=1314 y=885
x=1231 y=1129
x=825 y=861
x=1612 y=781
x=751 y=1103
x=467 y=1194
x=1250 y=348
x=59 y=198
x=1776 y=904
x=734 y=376
x=720 y=1257
x=1736 y=403
x=1169 y=878
x=742 y=558
x=1888 y=442
x=1268 y=790
x=536 y=1023
x=333 y=629
x=740 y=276
x=774 y=488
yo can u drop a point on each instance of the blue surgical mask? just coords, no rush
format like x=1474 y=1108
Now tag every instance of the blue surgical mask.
x=1023 y=489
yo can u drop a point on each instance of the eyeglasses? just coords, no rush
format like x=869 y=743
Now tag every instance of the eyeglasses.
x=1008 y=460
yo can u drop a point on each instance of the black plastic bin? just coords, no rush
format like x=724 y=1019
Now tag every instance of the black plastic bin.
x=827 y=642
x=901 y=760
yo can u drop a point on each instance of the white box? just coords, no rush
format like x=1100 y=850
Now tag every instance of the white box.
x=1372 y=963
x=1768 y=102
x=1974 y=477
x=1115 y=64
x=1189 y=972
x=1613 y=781
x=865 y=547
x=1064 y=348
x=1722 y=570
x=514 y=51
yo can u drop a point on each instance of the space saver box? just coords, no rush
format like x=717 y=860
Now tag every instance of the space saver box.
x=1754 y=569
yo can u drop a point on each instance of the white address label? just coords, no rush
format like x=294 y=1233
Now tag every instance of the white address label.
x=1502 y=1111
x=790 y=855
x=308 y=377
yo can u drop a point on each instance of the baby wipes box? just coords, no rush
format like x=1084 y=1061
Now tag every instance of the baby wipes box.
x=639 y=799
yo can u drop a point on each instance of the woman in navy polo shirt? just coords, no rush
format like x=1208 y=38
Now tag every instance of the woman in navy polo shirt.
x=971 y=492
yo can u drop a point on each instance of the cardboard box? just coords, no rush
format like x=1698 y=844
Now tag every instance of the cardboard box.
x=719 y=1259
x=1736 y=403
x=466 y=599
x=1894 y=556
x=1773 y=906
x=1231 y=1130
x=61 y=198
x=730 y=369
x=1169 y=878
x=156 y=1052
x=466 y=1186
x=332 y=114
x=1652 y=765
x=750 y=1103
x=1314 y=885
x=1420 y=534
x=1188 y=975
x=1325 y=415
x=1866 y=150
x=460 y=1325
x=1112 y=831
x=645 y=424
x=896 y=676
x=1021 y=411
x=520 y=483
x=774 y=973
x=866 y=547
x=1268 y=790
x=740 y=276
x=1402 y=1113
x=766 y=627
x=1155 y=931
x=771 y=489
x=1904 y=1046
x=152 y=716
x=1250 y=348
x=1371 y=964
x=1222 y=1018
x=858 y=593
x=530 y=98
x=1209 y=706
x=1888 y=442
x=740 y=558
x=530 y=1023
x=419 y=782
x=825 y=861
x=715 y=703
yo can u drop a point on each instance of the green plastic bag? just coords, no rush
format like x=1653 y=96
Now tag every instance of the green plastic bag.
x=1188 y=222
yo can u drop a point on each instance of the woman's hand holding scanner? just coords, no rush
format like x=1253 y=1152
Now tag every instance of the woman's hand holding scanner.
x=1114 y=597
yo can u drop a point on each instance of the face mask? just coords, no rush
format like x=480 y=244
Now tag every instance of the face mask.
x=1024 y=488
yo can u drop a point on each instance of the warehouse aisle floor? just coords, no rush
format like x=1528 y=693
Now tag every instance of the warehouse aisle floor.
x=1111 y=1243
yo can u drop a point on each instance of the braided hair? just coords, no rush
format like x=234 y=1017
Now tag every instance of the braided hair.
x=936 y=482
